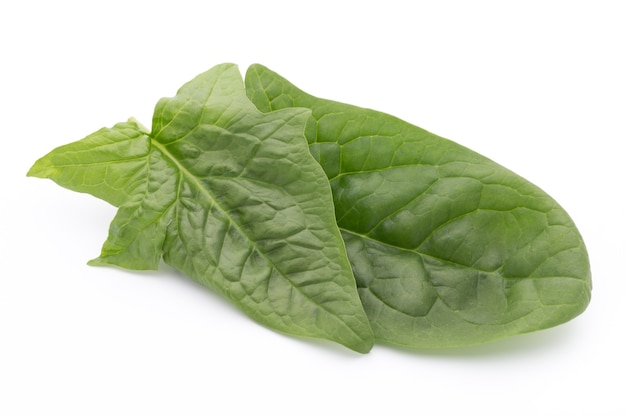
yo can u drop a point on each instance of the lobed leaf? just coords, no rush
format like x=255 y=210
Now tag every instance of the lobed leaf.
x=231 y=197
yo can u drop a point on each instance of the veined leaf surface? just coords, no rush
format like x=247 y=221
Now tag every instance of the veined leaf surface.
x=448 y=248
x=231 y=197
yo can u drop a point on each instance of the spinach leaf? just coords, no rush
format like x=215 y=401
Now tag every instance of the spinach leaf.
x=231 y=197
x=448 y=248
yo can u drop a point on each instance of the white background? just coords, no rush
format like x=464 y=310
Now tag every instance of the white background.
x=538 y=86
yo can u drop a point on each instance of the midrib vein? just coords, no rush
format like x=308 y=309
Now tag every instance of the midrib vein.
x=197 y=183
x=413 y=251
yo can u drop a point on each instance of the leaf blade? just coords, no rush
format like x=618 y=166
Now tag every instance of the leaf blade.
x=232 y=198
x=448 y=248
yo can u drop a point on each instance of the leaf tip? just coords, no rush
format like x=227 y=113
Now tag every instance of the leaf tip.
x=365 y=346
x=97 y=262
x=40 y=169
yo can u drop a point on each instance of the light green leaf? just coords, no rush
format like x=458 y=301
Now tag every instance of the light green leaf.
x=109 y=164
x=231 y=197
x=448 y=247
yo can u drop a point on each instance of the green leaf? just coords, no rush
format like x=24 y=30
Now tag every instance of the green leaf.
x=448 y=248
x=231 y=197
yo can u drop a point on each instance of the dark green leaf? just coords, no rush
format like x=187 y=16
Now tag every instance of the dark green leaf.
x=448 y=247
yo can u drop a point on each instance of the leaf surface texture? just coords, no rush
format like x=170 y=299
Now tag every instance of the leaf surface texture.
x=448 y=248
x=231 y=197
